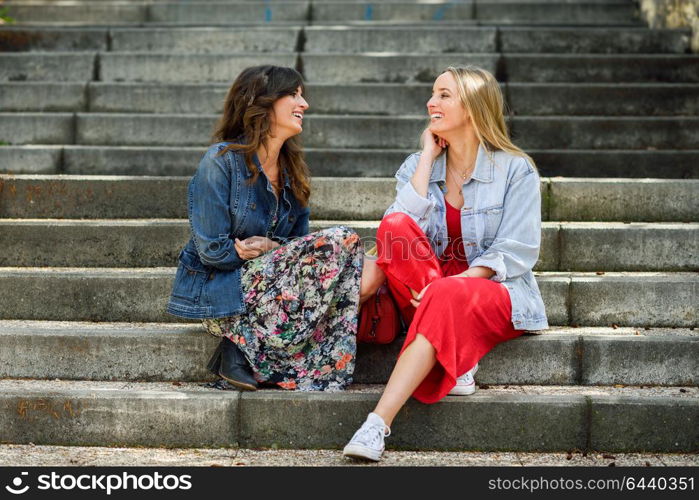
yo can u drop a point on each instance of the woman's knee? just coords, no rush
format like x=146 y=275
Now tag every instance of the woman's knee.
x=343 y=237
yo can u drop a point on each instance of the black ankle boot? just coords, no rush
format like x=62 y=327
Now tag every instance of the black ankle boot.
x=230 y=364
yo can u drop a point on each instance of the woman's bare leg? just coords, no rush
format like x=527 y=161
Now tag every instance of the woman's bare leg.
x=372 y=278
x=411 y=368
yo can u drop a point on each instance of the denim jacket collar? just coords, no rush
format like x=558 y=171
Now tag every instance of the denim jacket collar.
x=287 y=182
x=483 y=171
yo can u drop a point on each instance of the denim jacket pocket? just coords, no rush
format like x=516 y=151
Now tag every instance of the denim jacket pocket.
x=189 y=280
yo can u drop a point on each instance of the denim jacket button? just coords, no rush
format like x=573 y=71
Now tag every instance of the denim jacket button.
x=291 y=218
x=253 y=206
x=439 y=243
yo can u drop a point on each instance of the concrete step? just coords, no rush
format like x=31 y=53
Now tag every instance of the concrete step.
x=542 y=68
x=367 y=98
x=621 y=13
x=551 y=68
x=348 y=68
x=43 y=96
x=530 y=418
x=567 y=246
x=141 y=294
x=135 y=160
x=29 y=455
x=179 y=352
x=47 y=66
x=37 y=128
x=346 y=39
x=207 y=40
x=119 y=13
x=171 y=67
x=21 y=38
x=427 y=39
x=563 y=199
x=372 y=132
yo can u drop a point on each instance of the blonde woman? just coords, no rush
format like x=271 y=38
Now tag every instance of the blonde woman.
x=457 y=247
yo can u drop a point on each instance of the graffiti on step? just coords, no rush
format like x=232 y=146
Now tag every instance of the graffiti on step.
x=33 y=409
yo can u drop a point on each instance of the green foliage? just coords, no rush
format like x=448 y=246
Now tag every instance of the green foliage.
x=4 y=15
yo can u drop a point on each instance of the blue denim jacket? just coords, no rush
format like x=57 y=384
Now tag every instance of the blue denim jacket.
x=222 y=206
x=500 y=223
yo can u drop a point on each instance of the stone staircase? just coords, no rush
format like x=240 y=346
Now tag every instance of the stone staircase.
x=106 y=107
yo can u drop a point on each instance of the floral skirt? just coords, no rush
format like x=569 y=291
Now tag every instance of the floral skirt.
x=299 y=330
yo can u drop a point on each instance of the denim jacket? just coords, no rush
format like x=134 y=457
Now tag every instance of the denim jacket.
x=222 y=206
x=500 y=223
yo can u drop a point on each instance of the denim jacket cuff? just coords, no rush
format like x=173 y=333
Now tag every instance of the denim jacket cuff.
x=410 y=200
x=494 y=261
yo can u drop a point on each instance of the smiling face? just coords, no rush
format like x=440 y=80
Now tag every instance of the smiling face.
x=446 y=112
x=287 y=114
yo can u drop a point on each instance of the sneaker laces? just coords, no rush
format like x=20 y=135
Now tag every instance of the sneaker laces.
x=371 y=435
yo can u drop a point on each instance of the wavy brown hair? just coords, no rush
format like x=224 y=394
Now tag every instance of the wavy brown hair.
x=246 y=122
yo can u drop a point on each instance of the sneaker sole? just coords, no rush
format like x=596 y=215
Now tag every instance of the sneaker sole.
x=463 y=390
x=361 y=453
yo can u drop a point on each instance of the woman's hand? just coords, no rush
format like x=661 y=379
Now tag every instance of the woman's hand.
x=432 y=145
x=254 y=246
x=417 y=297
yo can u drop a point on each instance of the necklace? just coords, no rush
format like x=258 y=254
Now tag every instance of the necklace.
x=458 y=185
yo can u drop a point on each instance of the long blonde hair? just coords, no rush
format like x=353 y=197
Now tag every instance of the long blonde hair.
x=481 y=96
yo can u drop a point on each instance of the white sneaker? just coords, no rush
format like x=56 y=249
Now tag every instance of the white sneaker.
x=367 y=443
x=465 y=384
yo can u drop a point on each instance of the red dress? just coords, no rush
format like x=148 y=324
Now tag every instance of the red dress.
x=463 y=318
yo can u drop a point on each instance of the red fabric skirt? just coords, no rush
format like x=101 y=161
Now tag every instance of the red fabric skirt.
x=463 y=318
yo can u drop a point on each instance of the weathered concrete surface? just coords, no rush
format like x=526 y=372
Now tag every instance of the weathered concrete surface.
x=639 y=360
x=393 y=11
x=621 y=13
x=37 y=128
x=426 y=40
x=591 y=40
x=118 y=418
x=206 y=40
x=55 y=67
x=597 y=68
x=157 y=242
x=75 y=13
x=595 y=246
x=529 y=418
x=166 y=67
x=649 y=298
x=630 y=164
x=377 y=132
x=665 y=99
x=180 y=351
x=18 y=455
x=20 y=39
x=624 y=424
x=131 y=160
x=141 y=294
x=387 y=67
x=30 y=159
x=353 y=99
x=204 y=13
x=349 y=162
x=658 y=200
x=109 y=197
x=293 y=420
x=43 y=96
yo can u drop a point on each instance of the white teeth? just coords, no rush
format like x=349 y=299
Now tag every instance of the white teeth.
x=298 y=115
x=436 y=115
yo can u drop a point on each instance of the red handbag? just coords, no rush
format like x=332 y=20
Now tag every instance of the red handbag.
x=379 y=318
